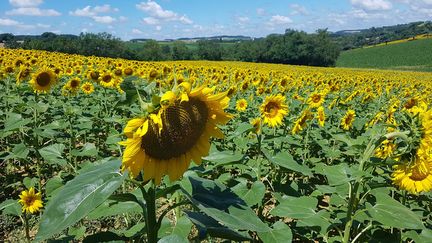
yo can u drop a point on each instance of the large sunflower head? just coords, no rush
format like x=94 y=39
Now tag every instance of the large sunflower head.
x=164 y=142
x=31 y=201
x=415 y=177
x=273 y=110
x=43 y=80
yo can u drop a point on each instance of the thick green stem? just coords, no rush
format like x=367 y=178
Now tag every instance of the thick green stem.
x=354 y=192
x=27 y=227
x=150 y=213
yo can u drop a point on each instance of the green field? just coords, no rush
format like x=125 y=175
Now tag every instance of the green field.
x=413 y=56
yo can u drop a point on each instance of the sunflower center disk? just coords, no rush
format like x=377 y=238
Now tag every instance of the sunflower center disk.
x=271 y=109
x=43 y=79
x=183 y=124
x=419 y=173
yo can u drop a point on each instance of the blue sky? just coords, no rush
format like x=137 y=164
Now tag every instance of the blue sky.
x=163 y=19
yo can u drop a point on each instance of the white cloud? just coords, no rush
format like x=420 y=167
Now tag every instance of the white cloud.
x=25 y=3
x=279 y=20
x=89 y=11
x=243 y=19
x=45 y=26
x=137 y=31
x=18 y=25
x=33 y=11
x=104 y=19
x=372 y=5
x=150 y=21
x=8 y=22
x=298 y=9
x=158 y=28
x=158 y=14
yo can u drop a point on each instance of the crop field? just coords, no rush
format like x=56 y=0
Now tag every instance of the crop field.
x=99 y=149
x=409 y=55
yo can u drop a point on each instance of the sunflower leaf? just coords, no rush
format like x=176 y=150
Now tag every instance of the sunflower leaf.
x=79 y=197
x=53 y=154
x=220 y=203
x=389 y=212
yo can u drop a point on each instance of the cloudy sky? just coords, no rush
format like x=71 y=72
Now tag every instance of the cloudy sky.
x=162 y=19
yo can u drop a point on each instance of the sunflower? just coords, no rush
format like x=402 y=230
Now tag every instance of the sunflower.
x=316 y=99
x=87 y=88
x=93 y=75
x=73 y=85
x=31 y=201
x=273 y=110
x=300 y=123
x=241 y=105
x=107 y=79
x=165 y=142
x=256 y=123
x=321 y=116
x=348 y=119
x=43 y=80
x=22 y=74
x=415 y=177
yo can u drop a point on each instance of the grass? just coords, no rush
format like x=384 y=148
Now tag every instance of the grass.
x=412 y=56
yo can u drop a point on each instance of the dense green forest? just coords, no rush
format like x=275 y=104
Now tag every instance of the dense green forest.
x=321 y=48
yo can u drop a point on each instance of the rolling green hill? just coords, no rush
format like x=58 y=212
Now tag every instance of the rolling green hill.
x=413 y=55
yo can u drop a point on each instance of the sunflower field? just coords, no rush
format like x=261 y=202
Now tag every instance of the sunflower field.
x=99 y=150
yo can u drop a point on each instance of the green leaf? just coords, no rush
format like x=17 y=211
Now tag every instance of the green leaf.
x=15 y=121
x=112 y=208
x=286 y=160
x=89 y=149
x=220 y=203
x=30 y=182
x=280 y=233
x=223 y=158
x=52 y=185
x=107 y=236
x=53 y=154
x=173 y=238
x=20 y=151
x=391 y=213
x=183 y=227
x=296 y=207
x=134 y=229
x=11 y=207
x=252 y=195
x=241 y=128
x=79 y=197
x=207 y=225
x=77 y=232
x=336 y=174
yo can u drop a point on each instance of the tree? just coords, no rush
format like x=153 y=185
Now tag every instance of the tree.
x=151 y=51
x=180 y=51
x=209 y=50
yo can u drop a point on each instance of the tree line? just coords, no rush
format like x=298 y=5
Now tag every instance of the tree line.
x=292 y=47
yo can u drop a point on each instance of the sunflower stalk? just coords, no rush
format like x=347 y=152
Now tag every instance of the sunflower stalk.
x=149 y=211
x=27 y=227
x=354 y=192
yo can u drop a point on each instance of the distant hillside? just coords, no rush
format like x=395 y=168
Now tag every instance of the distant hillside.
x=408 y=55
x=224 y=38
x=351 y=39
